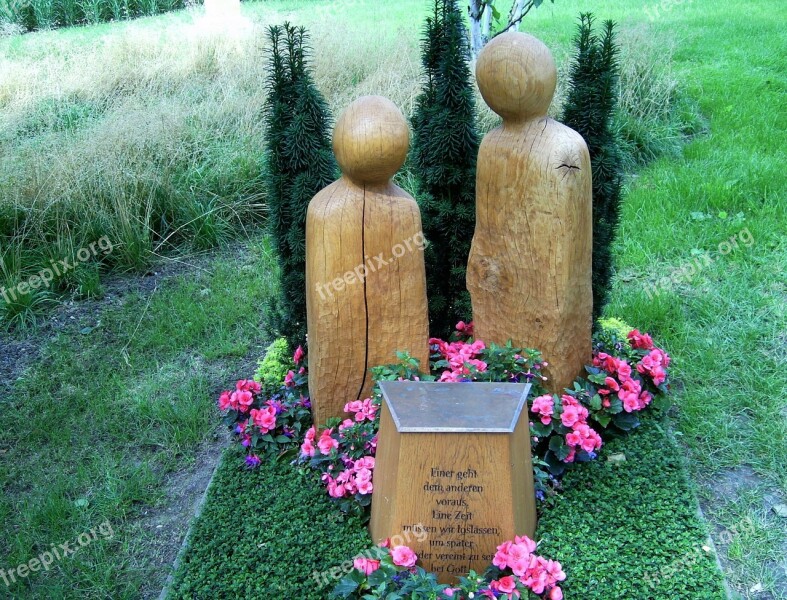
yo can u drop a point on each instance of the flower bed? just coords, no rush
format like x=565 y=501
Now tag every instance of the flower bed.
x=623 y=529
x=626 y=373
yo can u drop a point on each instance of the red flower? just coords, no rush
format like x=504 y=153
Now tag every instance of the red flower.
x=298 y=356
x=640 y=341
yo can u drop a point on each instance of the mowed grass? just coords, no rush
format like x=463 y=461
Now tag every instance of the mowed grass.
x=720 y=205
x=726 y=324
x=121 y=401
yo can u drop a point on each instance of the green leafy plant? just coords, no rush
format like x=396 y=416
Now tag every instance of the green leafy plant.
x=299 y=164
x=274 y=366
x=445 y=147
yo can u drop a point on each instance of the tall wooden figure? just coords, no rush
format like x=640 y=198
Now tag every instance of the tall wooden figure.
x=365 y=274
x=529 y=271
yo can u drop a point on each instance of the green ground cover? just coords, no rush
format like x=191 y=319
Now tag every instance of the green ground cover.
x=620 y=529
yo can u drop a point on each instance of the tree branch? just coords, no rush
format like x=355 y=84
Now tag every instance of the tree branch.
x=522 y=7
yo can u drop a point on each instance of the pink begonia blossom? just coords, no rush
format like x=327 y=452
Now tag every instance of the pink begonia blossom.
x=326 y=443
x=363 y=409
x=629 y=394
x=545 y=407
x=573 y=411
x=366 y=565
x=298 y=356
x=403 y=556
x=289 y=380
x=654 y=365
x=264 y=418
x=243 y=399
x=640 y=341
x=248 y=385
x=225 y=403
x=465 y=328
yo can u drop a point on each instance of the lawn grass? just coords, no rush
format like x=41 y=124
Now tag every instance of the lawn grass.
x=725 y=325
x=119 y=404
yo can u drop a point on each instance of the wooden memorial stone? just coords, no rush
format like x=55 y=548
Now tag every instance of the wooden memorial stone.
x=365 y=274
x=453 y=462
x=529 y=271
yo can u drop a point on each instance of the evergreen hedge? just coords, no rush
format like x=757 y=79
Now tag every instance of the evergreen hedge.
x=300 y=163
x=589 y=109
x=445 y=149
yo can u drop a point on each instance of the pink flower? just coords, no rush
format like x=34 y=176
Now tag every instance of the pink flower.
x=506 y=584
x=570 y=416
x=624 y=371
x=326 y=442
x=640 y=341
x=298 y=356
x=248 y=385
x=365 y=487
x=289 y=380
x=264 y=418
x=366 y=565
x=584 y=437
x=224 y=401
x=500 y=559
x=629 y=394
x=465 y=328
x=307 y=448
x=367 y=462
x=243 y=399
x=402 y=556
x=556 y=593
x=545 y=407
x=525 y=541
x=611 y=384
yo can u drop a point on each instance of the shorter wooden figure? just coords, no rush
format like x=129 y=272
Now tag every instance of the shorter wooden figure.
x=365 y=275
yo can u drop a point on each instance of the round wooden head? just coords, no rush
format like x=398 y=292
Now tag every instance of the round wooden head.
x=517 y=76
x=371 y=140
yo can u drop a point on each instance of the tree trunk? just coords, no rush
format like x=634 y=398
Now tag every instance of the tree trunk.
x=486 y=23
x=476 y=11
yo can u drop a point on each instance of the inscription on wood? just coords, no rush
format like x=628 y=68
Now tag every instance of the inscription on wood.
x=454 y=458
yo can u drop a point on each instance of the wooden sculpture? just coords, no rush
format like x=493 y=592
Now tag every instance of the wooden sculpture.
x=529 y=271
x=365 y=275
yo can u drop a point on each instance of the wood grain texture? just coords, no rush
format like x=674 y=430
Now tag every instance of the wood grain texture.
x=529 y=271
x=365 y=274
x=469 y=491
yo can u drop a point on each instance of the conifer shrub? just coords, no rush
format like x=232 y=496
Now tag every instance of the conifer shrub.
x=445 y=149
x=299 y=164
x=589 y=109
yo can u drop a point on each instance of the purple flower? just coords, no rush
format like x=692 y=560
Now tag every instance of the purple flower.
x=253 y=461
x=278 y=406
